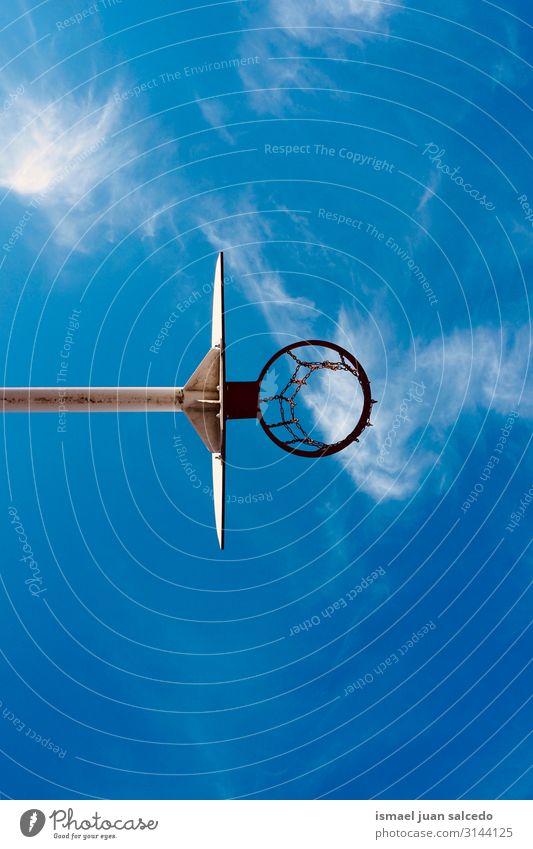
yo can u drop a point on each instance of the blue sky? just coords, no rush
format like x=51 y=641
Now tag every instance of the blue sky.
x=365 y=168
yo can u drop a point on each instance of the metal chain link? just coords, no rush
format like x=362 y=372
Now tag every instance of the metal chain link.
x=292 y=424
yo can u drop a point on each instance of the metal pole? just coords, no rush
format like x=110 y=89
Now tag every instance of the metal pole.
x=105 y=399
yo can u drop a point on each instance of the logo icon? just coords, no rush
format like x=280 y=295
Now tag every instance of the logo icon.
x=32 y=822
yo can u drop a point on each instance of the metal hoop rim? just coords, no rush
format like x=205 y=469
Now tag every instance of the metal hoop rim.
x=363 y=382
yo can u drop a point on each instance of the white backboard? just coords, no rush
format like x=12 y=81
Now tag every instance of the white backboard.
x=218 y=340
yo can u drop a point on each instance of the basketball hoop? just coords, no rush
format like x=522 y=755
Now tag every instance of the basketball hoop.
x=209 y=400
x=298 y=440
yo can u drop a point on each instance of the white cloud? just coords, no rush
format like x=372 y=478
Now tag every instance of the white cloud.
x=420 y=402
x=64 y=158
x=216 y=115
x=54 y=149
x=330 y=25
x=422 y=390
x=248 y=231
x=296 y=17
x=429 y=193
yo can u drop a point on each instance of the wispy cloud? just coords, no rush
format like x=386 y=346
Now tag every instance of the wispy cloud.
x=66 y=158
x=250 y=230
x=422 y=390
x=427 y=196
x=421 y=398
x=43 y=144
x=329 y=25
x=216 y=114
x=302 y=19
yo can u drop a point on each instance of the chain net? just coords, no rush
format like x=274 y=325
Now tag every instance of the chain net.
x=286 y=398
